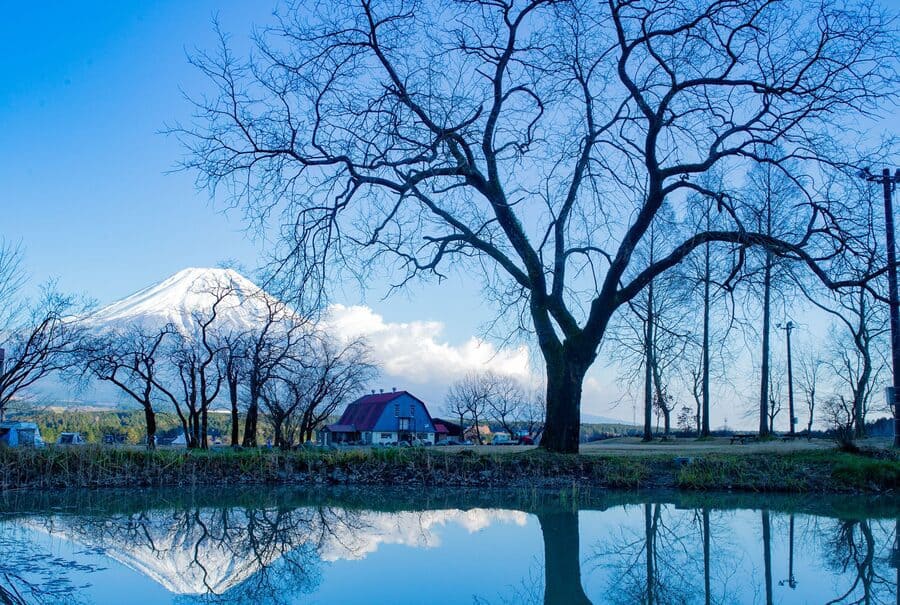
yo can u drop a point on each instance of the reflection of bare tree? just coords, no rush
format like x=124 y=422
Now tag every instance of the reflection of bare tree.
x=29 y=574
x=767 y=554
x=677 y=555
x=223 y=555
x=267 y=546
x=654 y=567
x=707 y=594
x=791 y=581
x=562 y=563
x=852 y=549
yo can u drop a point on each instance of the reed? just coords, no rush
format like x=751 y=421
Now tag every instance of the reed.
x=64 y=467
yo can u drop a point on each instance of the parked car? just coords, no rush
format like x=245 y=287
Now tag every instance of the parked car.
x=70 y=439
x=453 y=441
x=502 y=439
x=526 y=440
x=113 y=439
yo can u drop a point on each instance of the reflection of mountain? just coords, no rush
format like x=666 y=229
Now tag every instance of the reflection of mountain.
x=202 y=551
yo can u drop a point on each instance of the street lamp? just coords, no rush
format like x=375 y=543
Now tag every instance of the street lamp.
x=787 y=328
x=888 y=182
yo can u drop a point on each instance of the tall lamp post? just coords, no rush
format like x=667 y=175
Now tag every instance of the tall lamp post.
x=787 y=328
x=888 y=182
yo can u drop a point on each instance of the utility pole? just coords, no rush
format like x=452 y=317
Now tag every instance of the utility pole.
x=888 y=182
x=791 y=580
x=787 y=328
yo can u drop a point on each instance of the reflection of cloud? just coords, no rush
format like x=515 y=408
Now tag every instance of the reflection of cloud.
x=414 y=529
x=188 y=553
x=414 y=350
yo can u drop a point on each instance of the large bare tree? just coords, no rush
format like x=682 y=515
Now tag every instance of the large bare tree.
x=468 y=397
x=39 y=339
x=197 y=362
x=131 y=360
x=309 y=388
x=273 y=344
x=533 y=141
x=857 y=339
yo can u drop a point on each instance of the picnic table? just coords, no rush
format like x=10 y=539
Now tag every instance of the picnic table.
x=801 y=435
x=744 y=438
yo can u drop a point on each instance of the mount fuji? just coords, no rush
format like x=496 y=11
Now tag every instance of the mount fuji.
x=175 y=299
x=414 y=354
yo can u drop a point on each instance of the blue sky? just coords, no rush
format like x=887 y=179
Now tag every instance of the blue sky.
x=85 y=182
x=85 y=91
x=86 y=178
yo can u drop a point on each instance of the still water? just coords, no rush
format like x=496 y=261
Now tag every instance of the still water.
x=365 y=546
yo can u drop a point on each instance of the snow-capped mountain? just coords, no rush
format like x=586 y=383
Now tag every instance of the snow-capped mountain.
x=189 y=291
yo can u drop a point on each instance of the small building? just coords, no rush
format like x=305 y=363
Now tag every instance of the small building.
x=20 y=434
x=445 y=429
x=382 y=418
x=482 y=431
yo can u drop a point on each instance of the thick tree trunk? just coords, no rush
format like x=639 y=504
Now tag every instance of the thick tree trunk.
x=859 y=414
x=250 y=425
x=767 y=555
x=648 y=367
x=204 y=428
x=195 y=429
x=279 y=438
x=186 y=430
x=650 y=550
x=150 y=418
x=764 y=373
x=704 y=426
x=706 y=557
x=812 y=409
x=565 y=379
x=699 y=421
x=862 y=385
x=235 y=416
x=562 y=563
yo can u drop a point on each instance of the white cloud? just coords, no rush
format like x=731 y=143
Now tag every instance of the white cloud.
x=416 y=352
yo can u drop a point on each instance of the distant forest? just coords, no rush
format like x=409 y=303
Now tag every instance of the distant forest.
x=130 y=425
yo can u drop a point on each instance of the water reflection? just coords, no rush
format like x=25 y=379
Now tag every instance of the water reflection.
x=274 y=546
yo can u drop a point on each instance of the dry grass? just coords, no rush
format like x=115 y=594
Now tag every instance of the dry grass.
x=772 y=466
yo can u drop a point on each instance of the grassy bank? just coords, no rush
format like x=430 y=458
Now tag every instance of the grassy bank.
x=821 y=471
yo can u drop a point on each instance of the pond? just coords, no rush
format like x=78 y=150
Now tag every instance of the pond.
x=365 y=546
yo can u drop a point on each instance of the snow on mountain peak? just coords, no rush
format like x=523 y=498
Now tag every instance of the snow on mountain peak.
x=176 y=298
